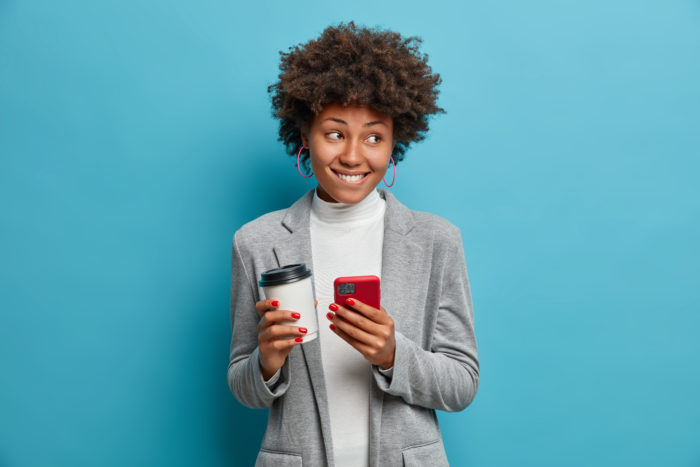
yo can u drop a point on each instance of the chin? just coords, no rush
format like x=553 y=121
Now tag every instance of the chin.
x=347 y=198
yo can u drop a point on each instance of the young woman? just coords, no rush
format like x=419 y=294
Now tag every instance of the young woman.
x=365 y=392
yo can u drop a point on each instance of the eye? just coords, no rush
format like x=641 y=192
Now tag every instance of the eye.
x=334 y=135
x=374 y=138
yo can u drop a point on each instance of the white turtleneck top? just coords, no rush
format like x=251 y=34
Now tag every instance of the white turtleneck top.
x=346 y=240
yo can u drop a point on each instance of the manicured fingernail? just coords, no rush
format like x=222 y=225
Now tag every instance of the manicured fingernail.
x=350 y=301
x=329 y=315
x=303 y=330
x=299 y=339
x=275 y=303
x=296 y=315
x=333 y=307
x=332 y=327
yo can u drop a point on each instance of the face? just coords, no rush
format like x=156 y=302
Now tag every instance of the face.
x=349 y=149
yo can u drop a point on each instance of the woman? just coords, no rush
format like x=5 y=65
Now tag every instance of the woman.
x=364 y=392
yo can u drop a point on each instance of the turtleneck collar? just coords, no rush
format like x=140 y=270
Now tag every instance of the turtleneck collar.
x=335 y=213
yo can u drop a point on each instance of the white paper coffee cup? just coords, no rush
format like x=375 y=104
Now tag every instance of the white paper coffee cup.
x=291 y=285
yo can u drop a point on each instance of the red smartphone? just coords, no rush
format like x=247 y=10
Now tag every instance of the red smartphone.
x=364 y=288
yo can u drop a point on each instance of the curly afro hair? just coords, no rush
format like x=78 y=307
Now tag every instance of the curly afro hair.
x=356 y=65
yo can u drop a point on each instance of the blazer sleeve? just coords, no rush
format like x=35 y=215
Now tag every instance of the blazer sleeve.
x=445 y=376
x=244 y=375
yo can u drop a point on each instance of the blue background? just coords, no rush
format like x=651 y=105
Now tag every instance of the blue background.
x=136 y=137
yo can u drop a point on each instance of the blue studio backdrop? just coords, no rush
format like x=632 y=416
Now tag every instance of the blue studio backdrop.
x=137 y=136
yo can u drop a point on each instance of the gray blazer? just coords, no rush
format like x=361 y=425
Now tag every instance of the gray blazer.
x=424 y=289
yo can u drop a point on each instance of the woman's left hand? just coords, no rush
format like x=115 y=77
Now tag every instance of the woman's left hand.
x=369 y=330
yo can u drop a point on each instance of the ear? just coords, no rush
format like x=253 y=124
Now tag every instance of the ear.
x=304 y=139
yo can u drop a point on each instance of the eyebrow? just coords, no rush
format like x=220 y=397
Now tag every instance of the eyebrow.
x=376 y=122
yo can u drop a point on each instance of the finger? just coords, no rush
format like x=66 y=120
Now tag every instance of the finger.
x=359 y=346
x=277 y=331
x=272 y=317
x=315 y=303
x=355 y=332
x=378 y=316
x=283 y=344
x=265 y=305
x=359 y=320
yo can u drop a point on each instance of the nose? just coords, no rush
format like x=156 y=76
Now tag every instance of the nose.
x=351 y=155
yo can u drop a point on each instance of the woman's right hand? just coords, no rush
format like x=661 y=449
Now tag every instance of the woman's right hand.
x=276 y=340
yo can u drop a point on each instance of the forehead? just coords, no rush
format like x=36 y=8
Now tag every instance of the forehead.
x=352 y=114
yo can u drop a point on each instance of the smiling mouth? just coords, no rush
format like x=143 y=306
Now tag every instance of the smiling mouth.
x=354 y=179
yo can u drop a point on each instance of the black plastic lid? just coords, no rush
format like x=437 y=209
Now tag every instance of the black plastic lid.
x=284 y=275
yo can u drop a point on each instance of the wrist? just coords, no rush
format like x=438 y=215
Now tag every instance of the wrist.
x=267 y=373
x=388 y=364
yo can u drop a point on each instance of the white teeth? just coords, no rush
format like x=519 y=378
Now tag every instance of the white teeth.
x=351 y=178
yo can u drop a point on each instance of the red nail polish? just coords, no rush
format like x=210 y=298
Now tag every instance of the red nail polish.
x=296 y=315
x=329 y=316
x=303 y=330
x=298 y=339
x=275 y=303
x=350 y=301
x=333 y=307
x=332 y=327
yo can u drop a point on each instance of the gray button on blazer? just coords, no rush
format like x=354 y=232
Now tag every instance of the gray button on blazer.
x=424 y=289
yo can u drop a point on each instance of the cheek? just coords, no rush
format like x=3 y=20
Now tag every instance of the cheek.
x=321 y=155
x=381 y=162
x=320 y=160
